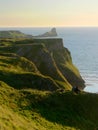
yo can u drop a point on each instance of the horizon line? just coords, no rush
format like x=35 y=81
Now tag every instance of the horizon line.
x=48 y=26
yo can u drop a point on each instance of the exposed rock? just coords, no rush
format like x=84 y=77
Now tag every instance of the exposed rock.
x=51 y=33
x=52 y=59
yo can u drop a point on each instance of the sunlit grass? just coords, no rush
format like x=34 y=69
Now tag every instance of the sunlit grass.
x=32 y=101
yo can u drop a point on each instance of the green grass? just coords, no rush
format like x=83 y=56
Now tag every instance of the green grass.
x=12 y=34
x=20 y=110
x=59 y=65
x=63 y=61
x=45 y=110
x=19 y=73
x=13 y=63
x=32 y=101
x=14 y=70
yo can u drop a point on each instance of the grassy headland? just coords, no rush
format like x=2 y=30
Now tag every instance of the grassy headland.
x=36 y=78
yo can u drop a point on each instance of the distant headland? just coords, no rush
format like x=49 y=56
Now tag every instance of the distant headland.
x=51 y=33
x=17 y=34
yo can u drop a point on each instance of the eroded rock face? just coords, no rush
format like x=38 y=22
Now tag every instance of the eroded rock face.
x=51 y=33
x=52 y=59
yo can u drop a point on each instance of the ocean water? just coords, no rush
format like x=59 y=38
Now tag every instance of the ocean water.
x=83 y=45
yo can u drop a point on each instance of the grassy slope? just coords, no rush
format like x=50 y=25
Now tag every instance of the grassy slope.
x=32 y=109
x=41 y=57
x=16 y=105
x=67 y=68
x=24 y=108
x=51 y=67
x=12 y=34
x=19 y=73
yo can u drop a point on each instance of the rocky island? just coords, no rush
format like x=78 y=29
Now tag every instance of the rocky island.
x=51 y=33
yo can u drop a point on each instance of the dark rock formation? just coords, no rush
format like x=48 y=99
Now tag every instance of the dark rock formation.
x=52 y=59
x=51 y=33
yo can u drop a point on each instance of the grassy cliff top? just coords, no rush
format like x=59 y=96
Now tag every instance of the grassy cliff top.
x=13 y=34
x=33 y=109
x=36 y=78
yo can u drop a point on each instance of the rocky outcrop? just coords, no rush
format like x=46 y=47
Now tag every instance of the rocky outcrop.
x=51 y=33
x=52 y=59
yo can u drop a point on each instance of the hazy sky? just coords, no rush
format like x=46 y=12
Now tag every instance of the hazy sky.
x=48 y=13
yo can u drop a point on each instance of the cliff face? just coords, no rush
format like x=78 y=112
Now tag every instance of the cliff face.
x=49 y=57
x=52 y=59
x=36 y=76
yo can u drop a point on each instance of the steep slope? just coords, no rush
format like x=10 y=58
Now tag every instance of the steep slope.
x=36 y=77
x=32 y=109
x=20 y=73
x=52 y=59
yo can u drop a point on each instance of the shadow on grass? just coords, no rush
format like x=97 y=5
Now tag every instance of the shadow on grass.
x=28 y=80
x=71 y=110
x=68 y=109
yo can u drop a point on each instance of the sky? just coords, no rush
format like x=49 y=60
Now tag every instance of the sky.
x=48 y=13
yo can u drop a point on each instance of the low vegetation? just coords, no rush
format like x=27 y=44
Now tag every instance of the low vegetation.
x=30 y=100
x=33 y=109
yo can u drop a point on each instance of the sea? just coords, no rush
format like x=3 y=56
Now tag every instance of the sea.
x=82 y=42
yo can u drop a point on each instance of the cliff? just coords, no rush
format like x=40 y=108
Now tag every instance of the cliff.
x=36 y=79
x=51 y=58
